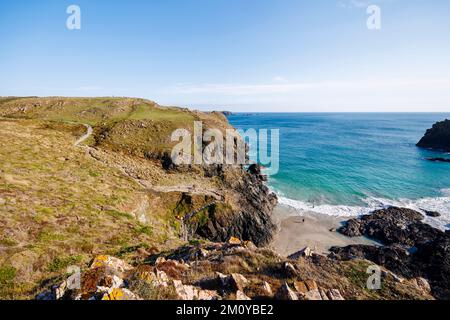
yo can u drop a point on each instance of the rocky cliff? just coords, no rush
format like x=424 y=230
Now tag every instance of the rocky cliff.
x=231 y=271
x=410 y=247
x=438 y=137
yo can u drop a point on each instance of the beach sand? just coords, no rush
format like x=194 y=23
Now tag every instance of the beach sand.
x=309 y=229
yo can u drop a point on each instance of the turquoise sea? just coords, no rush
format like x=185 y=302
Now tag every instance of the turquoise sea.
x=347 y=164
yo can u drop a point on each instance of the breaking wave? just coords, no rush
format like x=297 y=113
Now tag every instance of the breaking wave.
x=438 y=204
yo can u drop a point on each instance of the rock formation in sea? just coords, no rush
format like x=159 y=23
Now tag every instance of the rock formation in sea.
x=438 y=159
x=438 y=137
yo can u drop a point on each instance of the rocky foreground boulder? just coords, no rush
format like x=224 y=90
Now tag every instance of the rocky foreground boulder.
x=235 y=270
x=438 y=137
x=410 y=248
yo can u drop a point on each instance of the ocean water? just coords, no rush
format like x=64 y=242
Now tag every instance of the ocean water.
x=347 y=164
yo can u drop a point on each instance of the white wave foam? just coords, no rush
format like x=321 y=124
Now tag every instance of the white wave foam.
x=439 y=204
x=446 y=192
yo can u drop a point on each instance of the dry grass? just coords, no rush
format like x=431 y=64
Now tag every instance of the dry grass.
x=57 y=203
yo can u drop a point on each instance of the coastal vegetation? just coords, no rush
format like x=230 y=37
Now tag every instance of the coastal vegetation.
x=115 y=202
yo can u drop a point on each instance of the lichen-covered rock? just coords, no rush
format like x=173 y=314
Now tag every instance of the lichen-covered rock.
x=234 y=241
x=111 y=263
x=120 y=294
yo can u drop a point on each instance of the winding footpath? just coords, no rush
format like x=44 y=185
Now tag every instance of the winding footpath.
x=85 y=136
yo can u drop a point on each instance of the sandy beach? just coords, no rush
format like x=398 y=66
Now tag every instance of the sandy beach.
x=309 y=229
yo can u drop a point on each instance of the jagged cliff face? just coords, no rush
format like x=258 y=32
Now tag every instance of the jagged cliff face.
x=438 y=137
x=250 y=219
x=117 y=192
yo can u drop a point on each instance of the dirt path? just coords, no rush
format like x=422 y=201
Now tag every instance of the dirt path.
x=85 y=136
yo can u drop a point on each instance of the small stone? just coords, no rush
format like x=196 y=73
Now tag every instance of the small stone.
x=267 y=288
x=300 y=287
x=46 y=296
x=305 y=252
x=311 y=285
x=313 y=295
x=203 y=253
x=188 y=292
x=323 y=294
x=286 y=293
x=116 y=282
x=422 y=284
x=249 y=245
x=237 y=281
x=396 y=278
x=241 y=296
x=290 y=269
x=207 y=295
x=162 y=276
x=103 y=290
x=234 y=241
x=59 y=291
x=160 y=260
x=432 y=214
x=334 y=294
x=184 y=292
x=223 y=279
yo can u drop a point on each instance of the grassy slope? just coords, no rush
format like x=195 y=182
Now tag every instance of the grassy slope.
x=60 y=206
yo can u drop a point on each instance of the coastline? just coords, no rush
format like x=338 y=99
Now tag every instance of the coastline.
x=310 y=229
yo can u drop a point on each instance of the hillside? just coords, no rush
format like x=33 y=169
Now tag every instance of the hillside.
x=60 y=204
x=115 y=202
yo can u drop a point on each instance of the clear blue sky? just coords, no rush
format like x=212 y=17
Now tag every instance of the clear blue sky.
x=242 y=55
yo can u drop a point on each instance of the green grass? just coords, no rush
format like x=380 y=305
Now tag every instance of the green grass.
x=143 y=229
x=48 y=236
x=8 y=242
x=119 y=215
x=61 y=263
x=7 y=275
x=145 y=112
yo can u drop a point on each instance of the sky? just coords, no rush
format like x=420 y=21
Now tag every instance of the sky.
x=237 y=55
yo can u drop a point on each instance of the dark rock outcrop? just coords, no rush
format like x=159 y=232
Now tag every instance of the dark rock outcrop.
x=410 y=248
x=438 y=159
x=438 y=137
x=251 y=220
x=390 y=226
x=432 y=214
